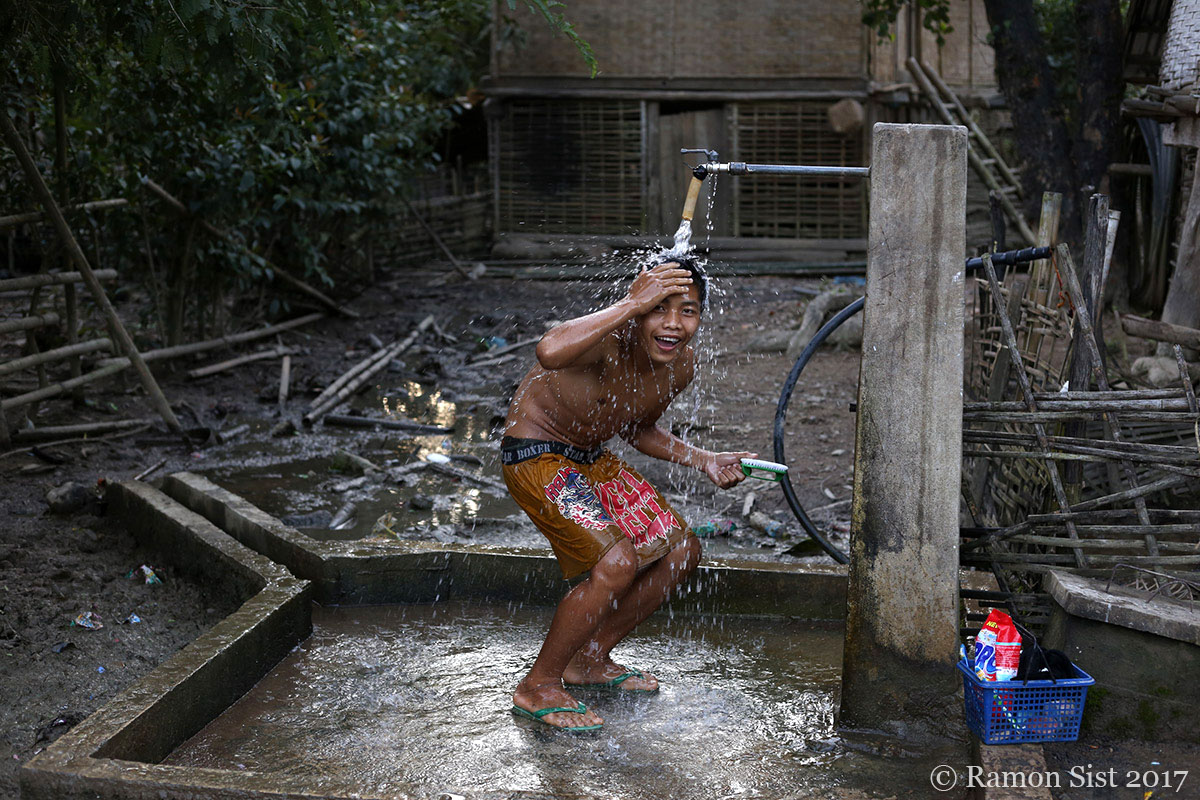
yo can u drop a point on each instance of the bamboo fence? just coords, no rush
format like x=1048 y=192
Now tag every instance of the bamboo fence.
x=1061 y=469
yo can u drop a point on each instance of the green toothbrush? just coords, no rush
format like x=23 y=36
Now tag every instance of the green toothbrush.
x=763 y=470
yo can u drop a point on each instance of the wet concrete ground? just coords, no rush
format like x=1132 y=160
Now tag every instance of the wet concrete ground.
x=390 y=698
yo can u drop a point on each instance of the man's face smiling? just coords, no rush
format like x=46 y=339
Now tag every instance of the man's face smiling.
x=667 y=328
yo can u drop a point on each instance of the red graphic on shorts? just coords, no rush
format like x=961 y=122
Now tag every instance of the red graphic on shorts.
x=576 y=500
x=633 y=504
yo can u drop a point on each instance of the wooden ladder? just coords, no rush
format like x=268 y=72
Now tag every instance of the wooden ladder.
x=991 y=167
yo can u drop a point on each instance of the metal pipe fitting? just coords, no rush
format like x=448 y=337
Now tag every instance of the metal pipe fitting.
x=742 y=168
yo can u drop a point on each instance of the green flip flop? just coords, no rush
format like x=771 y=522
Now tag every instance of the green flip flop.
x=614 y=684
x=536 y=716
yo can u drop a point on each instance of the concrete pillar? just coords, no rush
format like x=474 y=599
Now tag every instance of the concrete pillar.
x=902 y=598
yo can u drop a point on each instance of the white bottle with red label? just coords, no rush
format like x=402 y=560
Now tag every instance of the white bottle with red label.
x=997 y=648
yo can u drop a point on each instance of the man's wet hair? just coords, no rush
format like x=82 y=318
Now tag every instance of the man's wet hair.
x=692 y=265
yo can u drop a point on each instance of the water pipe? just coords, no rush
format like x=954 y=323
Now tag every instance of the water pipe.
x=714 y=167
x=698 y=176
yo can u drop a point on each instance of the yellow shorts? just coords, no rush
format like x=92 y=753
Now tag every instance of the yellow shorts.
x=586 y=504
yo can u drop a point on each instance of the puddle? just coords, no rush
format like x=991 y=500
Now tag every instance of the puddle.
x=392 y=698
x=302 y=481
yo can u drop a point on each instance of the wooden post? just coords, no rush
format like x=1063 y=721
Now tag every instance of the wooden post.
x=902 y=596
x=81 y=263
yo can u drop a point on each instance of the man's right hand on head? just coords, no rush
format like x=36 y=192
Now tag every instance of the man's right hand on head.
x=653 y=285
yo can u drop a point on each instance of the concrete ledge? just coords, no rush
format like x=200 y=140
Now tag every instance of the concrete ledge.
x=154 y=716
x=1138 y=651
x=419 y=572
x=1089 y=598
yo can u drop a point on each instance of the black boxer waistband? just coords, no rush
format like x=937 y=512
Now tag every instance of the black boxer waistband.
x=514 y=450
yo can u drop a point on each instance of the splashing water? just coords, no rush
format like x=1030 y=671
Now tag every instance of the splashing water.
x=683 y=240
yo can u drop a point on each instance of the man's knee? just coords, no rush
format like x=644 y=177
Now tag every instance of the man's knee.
x=617 y=568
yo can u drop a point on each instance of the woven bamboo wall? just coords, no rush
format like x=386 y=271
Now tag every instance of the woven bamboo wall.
x=569 y=166
x=462 y=222
x=698 y=39
x=796 y=133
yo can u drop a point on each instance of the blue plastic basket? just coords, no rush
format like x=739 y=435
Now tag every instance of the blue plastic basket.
x=1011 y=712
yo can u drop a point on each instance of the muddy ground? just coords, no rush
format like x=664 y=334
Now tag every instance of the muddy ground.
x=56 y=567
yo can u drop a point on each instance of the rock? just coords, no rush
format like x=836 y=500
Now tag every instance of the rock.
x=69 y=498
x=1162 y=372
x=421 y=502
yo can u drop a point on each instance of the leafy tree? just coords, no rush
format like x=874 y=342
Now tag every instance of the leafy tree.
x=292 y=123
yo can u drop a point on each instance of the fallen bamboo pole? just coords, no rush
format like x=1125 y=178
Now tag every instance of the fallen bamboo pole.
x=213 y=369
x=360 y=380
x=29 y=323
x=82 y=429
x=150 y=470
x=18 y=364
x=350 y=374
x=55 y=389
x=383 y=354
x=295 y=283
x=346 y=421
x=117 y=435
x=14 y=220
x=166 y=353
x=68 y=239
x=1161 y=331
x=53 y=279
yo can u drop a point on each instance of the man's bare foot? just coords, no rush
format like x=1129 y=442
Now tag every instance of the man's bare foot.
x=608 y=674
x=533 y=699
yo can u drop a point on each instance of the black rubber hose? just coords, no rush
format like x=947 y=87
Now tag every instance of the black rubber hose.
x=1006 y=258
x=781 y=412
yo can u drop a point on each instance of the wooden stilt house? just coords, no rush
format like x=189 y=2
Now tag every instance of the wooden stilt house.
x=760 y=81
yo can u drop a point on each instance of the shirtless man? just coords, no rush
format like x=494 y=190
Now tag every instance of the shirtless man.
x=610 y=373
